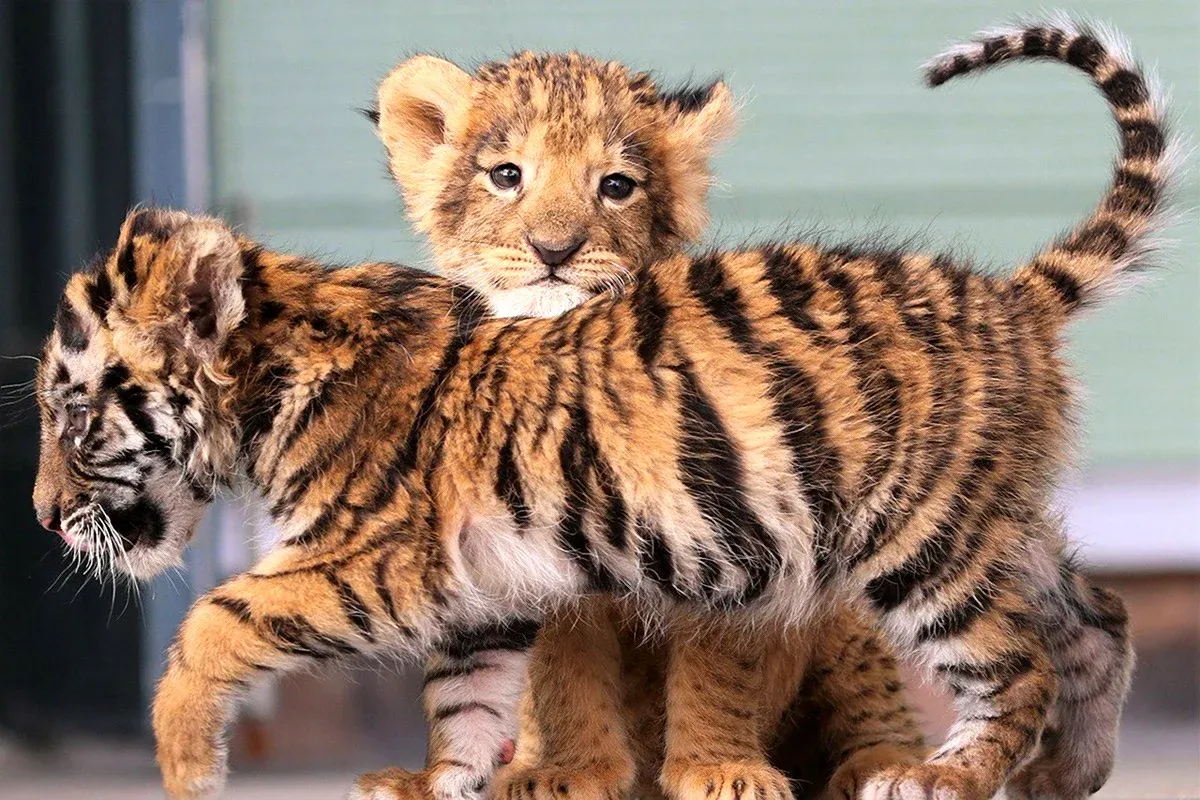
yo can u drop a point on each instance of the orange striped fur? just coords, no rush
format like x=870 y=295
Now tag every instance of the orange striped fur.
x=569 y=127
x=758 y=433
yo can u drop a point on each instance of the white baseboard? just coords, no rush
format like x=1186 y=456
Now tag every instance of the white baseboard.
x=1136 y=522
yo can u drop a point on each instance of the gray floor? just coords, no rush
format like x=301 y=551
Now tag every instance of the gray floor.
x=1155 y=763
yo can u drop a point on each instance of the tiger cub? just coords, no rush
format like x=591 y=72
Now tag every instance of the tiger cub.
x=542 y=181
x=756 y=432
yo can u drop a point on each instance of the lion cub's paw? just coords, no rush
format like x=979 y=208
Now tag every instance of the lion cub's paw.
x=596 y=781
x=853 y=774
x=734 y=780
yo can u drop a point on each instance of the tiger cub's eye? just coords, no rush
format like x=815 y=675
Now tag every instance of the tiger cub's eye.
x=78 y=417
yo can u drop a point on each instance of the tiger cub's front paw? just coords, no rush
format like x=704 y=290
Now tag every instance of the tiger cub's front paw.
x=734 y=780
x=391 y=784
x=596 y=781
x=187 y=745
x=191 y=770
x=192 y=775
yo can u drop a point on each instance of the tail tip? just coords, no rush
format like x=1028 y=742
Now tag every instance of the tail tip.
x=959 y=59
x=943 y=68
x=936 y=75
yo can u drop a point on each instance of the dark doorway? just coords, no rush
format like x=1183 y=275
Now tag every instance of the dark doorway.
x=69 y=648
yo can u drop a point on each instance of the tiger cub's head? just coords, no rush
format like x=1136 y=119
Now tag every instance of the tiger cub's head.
x=548 y=178
x=127 y=388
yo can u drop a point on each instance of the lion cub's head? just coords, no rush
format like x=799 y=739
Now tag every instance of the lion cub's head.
x=548 y=178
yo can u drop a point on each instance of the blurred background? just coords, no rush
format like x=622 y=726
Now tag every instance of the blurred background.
x=248 y=109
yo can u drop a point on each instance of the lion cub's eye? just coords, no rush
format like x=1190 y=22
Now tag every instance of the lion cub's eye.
x=78 y=416
x=617 y=186
x=505 y=176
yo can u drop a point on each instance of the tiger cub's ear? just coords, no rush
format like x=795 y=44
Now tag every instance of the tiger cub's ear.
x=178 y=276
x=417 y=105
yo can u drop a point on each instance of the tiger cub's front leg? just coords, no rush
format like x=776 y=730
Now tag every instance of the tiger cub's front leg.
x=473 y=685
x=575 y=743
x=716 y=679
x=980 y=632
x=253 y=625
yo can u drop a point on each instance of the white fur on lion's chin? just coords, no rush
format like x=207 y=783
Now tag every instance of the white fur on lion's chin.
x=537 y=300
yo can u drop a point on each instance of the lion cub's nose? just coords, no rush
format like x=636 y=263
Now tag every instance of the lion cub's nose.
x=553 y=254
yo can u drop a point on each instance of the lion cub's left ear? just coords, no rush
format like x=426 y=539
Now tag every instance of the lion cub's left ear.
x=699 y=119
x=419 y=103
x=702 y=117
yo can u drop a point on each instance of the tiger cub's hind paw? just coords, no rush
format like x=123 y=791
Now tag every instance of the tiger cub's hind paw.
x=1047 y=779
x=922 y=782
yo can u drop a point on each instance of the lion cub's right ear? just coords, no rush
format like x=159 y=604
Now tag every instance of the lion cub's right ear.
x=422 y=100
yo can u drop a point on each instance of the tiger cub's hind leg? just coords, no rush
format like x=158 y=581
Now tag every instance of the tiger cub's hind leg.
x=575 y=699
x=1087 y=634
x=967 y=613
x=717 y=679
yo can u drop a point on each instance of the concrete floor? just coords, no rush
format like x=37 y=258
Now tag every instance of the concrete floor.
x=1155 y=763
x=1148 y=782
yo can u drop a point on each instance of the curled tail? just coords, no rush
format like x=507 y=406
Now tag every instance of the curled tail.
x=1116 y=241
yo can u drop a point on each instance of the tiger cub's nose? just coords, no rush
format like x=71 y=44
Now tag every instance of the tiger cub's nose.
x=51 y=518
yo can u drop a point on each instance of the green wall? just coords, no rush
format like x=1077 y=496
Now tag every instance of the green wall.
x=837 y=130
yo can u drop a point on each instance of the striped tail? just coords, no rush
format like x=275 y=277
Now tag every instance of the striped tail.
x=1117 y=241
